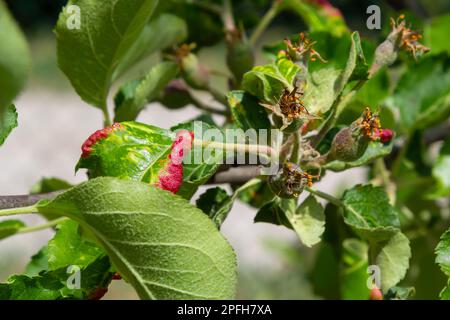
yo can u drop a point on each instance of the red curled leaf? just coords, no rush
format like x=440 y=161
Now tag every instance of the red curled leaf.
x=171 y=177
x=86 y=148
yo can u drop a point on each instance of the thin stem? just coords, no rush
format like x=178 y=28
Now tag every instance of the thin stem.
x=326 y=196
x=401 y=155
x=227 y=16
x=380 y=167
x=217 y=95
x=44 y=226
x=265 y=21
x=295 y=155
x=329 y=122
x=20 y=210
x=246 y=148
x=204 y=107
x=106 y=116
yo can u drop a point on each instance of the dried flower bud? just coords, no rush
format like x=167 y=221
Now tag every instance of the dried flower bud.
x=350 y=143
x=291 y=109
x=302 y=50
x=290 y=181
x=401 y=37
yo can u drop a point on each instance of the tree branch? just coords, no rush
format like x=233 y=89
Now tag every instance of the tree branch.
x=225 y=174
x=8 y=202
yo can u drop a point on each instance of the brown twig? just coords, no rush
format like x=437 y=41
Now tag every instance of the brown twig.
x=8 y=202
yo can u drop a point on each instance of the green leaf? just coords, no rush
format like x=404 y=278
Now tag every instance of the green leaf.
x=423 y=93
x=165 y=247
x=308 y=221
x=52 y=285
x=441 y=171
x=38 y=263
x=326 y=84
x=14 y=62
x=392 y=257
x=134 y=95
x=68 y=248
x=139 y=152
x=212 y=200
x=368 y=212
x=49 y=185
x=48 y=271
x=400 y=293
x=274 y=212
x=318 y=16
x=267 y=82
x=257 y=195
x=10 y=227
x=89 y=56
x=222 y=210
x=435 y=34
x=443 y=253
x=445 y=293
x=354 y=271
x=136 y=152
x=356 y=68
x=160 y=33
x=320 y=93
x=374 y=151
x=8 y=121
x=247 y=112
x=14 y=68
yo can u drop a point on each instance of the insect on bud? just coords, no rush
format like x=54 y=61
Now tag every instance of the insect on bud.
x=290 y=181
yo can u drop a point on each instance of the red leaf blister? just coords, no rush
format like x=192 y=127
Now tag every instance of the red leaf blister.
x=171 y=177
x=98 y=135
